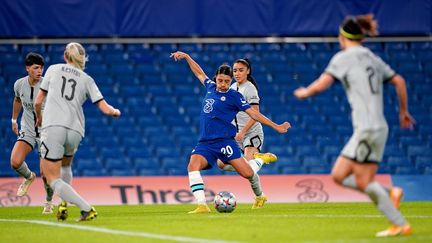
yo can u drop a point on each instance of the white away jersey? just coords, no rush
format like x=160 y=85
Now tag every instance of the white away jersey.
x=250 y=93
x=68 y=88
x=362 y=74
x=27 y=94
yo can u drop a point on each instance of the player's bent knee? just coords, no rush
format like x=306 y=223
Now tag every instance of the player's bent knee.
x=246 y=174
x=15 y=164
x=337 y=178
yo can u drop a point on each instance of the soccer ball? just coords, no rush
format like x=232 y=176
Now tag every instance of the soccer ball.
x=225 y=202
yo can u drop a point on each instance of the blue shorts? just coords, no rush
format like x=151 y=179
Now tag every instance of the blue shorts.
x=223 y=149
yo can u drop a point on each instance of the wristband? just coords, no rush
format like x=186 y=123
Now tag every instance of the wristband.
x=13 y=120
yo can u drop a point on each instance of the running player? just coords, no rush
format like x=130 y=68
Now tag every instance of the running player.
x=26 y=89
x=250 y=135
x=66 y=87
x=362 y=74
x=216 y=141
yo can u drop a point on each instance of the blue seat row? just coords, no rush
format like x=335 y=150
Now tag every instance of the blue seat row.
x=160 y=102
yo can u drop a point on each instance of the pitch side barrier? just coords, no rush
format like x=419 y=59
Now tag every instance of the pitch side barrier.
x=175 y=189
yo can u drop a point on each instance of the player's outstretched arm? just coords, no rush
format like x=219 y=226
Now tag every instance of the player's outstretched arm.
x=319 y=85
x=405 y=118
x=257 y=116
x=195 y=68
x=108 y=109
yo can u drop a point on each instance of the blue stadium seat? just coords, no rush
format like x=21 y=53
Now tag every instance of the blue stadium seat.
x=134 y=153
x=394 y=150
x=293 y=170
x=406 y=170
x=146 y=163
x=88 y=164
x=177 y=171
x=422 y=162
x=373 y=46
x=190 y=47
x=117 y=164
x=428 y=170
x=294 y=47
x=39 y=48
x=397 y=161
x=425 y=56
x=319 y=46
x=396 y=46
x=421 y=46
x=116 y=58
x=416 y=150
x=216 y=47
x=112 y=152
x=269 y=170
x=215 y=171
x=123 y=172
x=173 y=162
x=273 y=58
x=8 y=48
x=313 y=161
x=384 y=169
x=109 y=48
x=151 y=172
x=98 y=172
x=266 y=47
x=86 y=152
x=321 y=169
x=242 y=47
x=140 y=48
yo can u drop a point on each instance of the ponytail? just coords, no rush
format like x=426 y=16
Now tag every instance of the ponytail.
x=75 y=54
x=368 y=24
x=356 y=27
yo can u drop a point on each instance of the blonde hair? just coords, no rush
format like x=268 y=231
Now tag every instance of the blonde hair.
x=75 y=54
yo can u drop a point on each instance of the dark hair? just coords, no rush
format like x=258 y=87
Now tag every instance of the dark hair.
x=223 y=69
x=249 y=77
x=355 y=27
x=34 y=58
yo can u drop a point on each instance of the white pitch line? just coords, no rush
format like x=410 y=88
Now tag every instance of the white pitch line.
x=334 y=216
x=119 y=232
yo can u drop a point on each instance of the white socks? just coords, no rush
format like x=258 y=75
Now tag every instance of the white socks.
x=381 y=198
x=24 y=170
x=197 y=186
x=67 y=193
x=66 y=174
x=256 y=165
x=256 y=184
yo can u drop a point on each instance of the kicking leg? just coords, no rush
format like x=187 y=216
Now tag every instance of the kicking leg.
x=197 y=162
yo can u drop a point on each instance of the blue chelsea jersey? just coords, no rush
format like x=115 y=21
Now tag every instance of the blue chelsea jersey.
x=218 y=110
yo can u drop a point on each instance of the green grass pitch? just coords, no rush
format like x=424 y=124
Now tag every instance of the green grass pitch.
x=290 y=222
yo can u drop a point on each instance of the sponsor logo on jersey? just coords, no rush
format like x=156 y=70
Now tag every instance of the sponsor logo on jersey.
x=208 y=107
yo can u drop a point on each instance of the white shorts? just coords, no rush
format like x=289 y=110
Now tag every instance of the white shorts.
x=58 y=142
x=29 y=138
x=366 y=145
x=252 y=139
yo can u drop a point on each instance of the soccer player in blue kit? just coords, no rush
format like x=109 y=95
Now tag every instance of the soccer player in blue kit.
x=216 y=141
